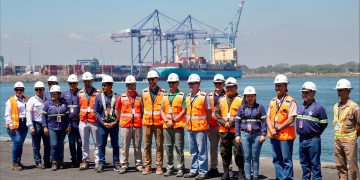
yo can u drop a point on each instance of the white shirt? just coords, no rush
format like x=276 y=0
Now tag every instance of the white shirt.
x=34 y=110
x=21 y=107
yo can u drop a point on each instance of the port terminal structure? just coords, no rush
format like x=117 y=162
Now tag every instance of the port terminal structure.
x=148 y=35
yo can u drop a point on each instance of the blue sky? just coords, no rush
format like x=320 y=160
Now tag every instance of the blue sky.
x=270 y=32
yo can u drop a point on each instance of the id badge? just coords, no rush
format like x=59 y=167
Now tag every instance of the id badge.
x=300 y=124
x=170 y=110
x=71 y=110
x=88 y=109
x=58 y=119
x=249 y=128
x=276 y=118
x=337 y=127
x=228 y=116
x=133 y=111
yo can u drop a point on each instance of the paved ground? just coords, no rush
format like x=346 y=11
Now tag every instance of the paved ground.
x=30 y=172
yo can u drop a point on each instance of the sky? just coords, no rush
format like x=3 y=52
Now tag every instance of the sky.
x=270 y=32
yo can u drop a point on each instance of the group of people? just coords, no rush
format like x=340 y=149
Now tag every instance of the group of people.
x=237 y=122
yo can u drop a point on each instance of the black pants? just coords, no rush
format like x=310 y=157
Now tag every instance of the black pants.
x=228 y=147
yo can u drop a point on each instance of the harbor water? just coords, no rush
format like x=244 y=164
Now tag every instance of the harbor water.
x=326 y=96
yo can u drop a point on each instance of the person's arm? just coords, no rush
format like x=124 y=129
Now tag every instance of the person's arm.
x=118 y=108
x=270 y=124
x=8 y=113
x=219 y=118
x=291 y=117
x=238 y=122
x=45 y=115
x=97 y=107
x=263 y=120
x=357 y=119
x=29 y=111
x=323 y=119
x=208 y=108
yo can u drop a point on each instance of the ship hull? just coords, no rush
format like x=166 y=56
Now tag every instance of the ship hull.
x=204 y=74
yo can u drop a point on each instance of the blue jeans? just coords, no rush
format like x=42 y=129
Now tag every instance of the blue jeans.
x=282 y=158
x=57 y=144
x=114 y=135
x=199 y=152
x=36 y=141
x=75 y=144
x=18 y=138
x=251 y=146
x=309 y=153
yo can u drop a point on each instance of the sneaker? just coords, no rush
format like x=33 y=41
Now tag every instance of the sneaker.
x=48 y=165
x=201 y=176
x=213 y=173
x=74 y=164
x=61 y=165
x=231 y=173
x=100 y=169
x=16 y=167
x=54 y=166
x=117 y=167
x=96 y=166
x=169 y=172
x=190 y=175
x=159 y=170
x=147 y=170
x=40 y=166
x=123 y=170
x=180 y=173
x=140 y=169
x=225 y=176
x=84 y=165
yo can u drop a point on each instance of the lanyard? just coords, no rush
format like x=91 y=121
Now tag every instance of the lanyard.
x=278 y=105
x=111 y=104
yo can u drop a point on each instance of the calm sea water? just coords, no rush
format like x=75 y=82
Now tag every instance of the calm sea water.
x=326 y=95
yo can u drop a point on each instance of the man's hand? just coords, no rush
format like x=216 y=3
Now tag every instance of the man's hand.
x=262 y=138
x=238 y=139
x=68 y=130
x=32 y=131
x=169 y=124
x=46 y=131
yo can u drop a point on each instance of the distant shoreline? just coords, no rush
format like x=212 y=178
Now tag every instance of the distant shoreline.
x=33 y=78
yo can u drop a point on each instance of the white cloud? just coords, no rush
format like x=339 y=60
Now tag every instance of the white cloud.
x=103 y=36
x=75 y=36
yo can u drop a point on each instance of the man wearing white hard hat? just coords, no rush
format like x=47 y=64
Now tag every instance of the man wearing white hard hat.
x=311 y=121
x=88 y=124
x=104 y=107
x=213 y=135
x=226 y=115
x=34 y=111
x=152 y=123
x=346 y=131
x=198 y=114
x=281 y=130
x=15 y=121
x=70 y=96
x=55 y=121
x=129 y=112
x=52 y=80
x=173 y=109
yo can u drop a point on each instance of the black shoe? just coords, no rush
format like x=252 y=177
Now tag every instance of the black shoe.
x=100 y=169
x=225 y=176
x=190 y=175
x=213 y=173
x=74 y=164
x=201 y=176
x=117 y=167
x=241 y=176
x=169 y=172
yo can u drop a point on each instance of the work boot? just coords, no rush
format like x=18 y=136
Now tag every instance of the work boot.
x=84 y=165
x=61 y=164
x=190 y=175
x=140 y=169
x=159 y=170
x=123 y=170
x=201 y=177
x=147 y=170
x=240 y=176
x=100 y=169
x=16 y=167
x=117 y=167
x=169 y=172
x=74 y=164
x=214 y=172
x=180 y=173
x=54 y=166
x=40 y=166
x=226 y=175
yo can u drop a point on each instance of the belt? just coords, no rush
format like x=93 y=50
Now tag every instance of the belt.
x=251 y=132
x=22 y=119
x=306 y=137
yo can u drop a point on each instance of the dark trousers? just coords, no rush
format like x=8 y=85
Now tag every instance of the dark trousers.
x=75 y=144
x=36 y=141
x=228 y=148
x=114 y=135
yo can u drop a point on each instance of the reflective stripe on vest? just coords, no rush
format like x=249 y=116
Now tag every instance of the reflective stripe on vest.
x=228 y=112
x=14 y=114
x=112 y=103
x=310 y=118
x=287 y=133
x=173 y=109
x=152 y=114
x=339 y=120
x=196 y=113
x=87 y=112
x=130 y=113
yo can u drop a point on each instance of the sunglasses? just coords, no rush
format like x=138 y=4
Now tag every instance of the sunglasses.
x=39 y=89
x=151 y=79
x=52 y=83
x=106 y=84
x=218 y=83
x=54 y=93
x=306 y=92
x=172 y=82
x=19 y=89
x=192 y=84
x=128 y=85
x=72 y=83
x=87 y=81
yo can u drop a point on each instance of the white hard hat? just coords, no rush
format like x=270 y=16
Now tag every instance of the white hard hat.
x=107 y=79
x=18 y=85
x=52 y=79
x=55 y=88
x=230 y=81
x=72 y=78
x=309 y=86
x=249 y=90
x=194 y=78
x=39 y=84
x=343 y=84
x=173 y=77
x=219 y=78
x=87 y=76
x=130 y=79
x=281 y=79
x=152 y=74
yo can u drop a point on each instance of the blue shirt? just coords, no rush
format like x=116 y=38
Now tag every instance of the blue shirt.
x=311 y=120
x=72 y=101
x=99 y=108
x=254 y=116
x=55 y=117
x=47 y=96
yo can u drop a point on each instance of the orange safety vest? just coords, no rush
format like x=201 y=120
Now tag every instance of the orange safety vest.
x=152 y=114
x=87 y=112
x=339 y=121
x=196 y=112
x=130 y=113
x=173 y=109
x=213 y=121
x=14 y=112
x=228 y=113
x=282 y=114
